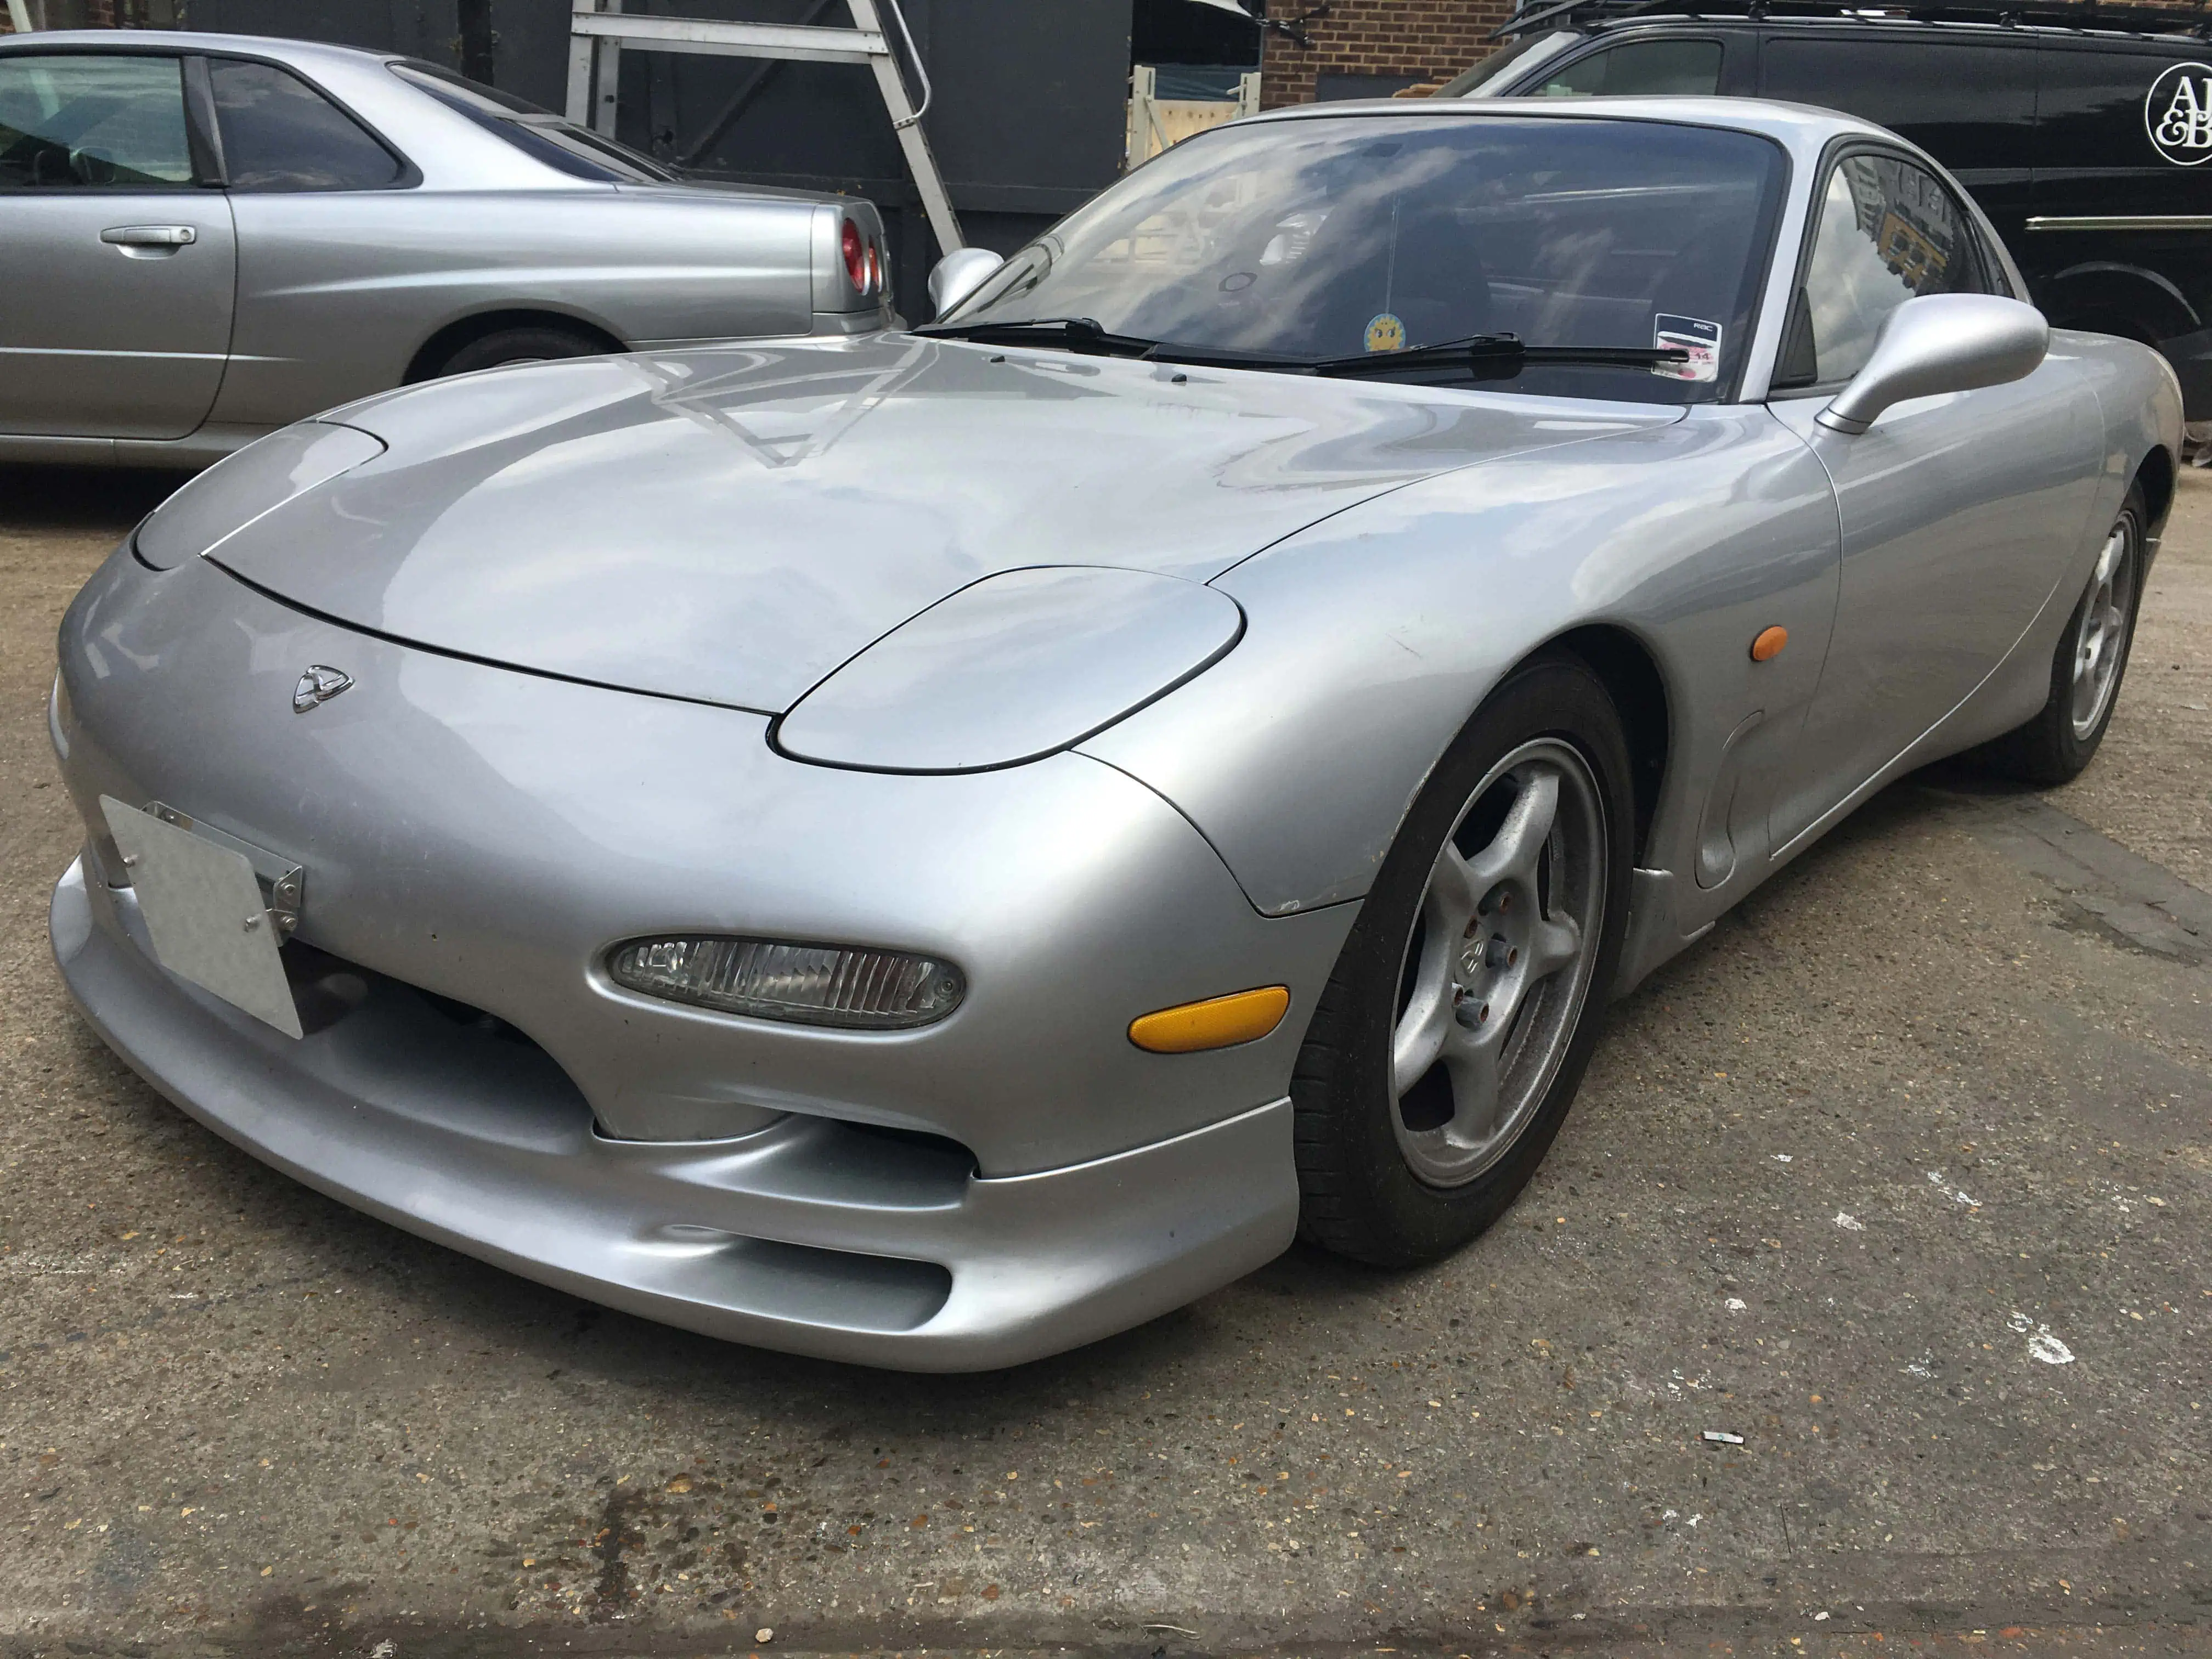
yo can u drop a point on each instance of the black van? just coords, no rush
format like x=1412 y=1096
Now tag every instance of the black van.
x=2089 y=146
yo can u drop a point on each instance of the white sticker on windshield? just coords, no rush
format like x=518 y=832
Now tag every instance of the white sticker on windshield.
x=1701 y=339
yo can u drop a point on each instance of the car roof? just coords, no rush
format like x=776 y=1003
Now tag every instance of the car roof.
x=282 y=49
x=2080 y=22
x=1799 y=128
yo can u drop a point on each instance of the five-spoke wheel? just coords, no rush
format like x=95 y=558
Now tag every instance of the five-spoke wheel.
x=2100 y=631
x=1449 y=1041
x=1497 y=963
x=2087 y=664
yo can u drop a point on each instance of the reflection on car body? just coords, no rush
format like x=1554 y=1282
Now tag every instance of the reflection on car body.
x=933 y=847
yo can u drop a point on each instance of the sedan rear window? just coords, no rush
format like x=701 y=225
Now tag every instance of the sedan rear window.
x=538 y=133
x=1320 y=237
x=279 y=133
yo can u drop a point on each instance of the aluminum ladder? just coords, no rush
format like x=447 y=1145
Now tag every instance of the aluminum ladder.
x=599 y=32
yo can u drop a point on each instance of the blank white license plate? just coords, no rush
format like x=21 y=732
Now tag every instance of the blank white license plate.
x=205 y=909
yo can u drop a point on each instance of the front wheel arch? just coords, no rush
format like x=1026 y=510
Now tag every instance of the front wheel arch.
x=1631 y=674
x=2155 y=478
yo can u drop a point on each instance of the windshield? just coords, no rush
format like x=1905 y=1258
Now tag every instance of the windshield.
x=536 y=132
x=1526 y=53
x=1330 y=236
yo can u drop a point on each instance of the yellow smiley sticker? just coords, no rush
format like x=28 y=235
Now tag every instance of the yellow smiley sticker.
x=1385 y=333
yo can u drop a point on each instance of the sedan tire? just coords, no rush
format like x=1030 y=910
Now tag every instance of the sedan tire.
x=1449 y=1041
x=510 y=346
x=2087 y=666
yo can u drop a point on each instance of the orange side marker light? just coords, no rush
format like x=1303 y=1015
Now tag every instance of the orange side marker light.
x=1769 y=644
x=1216 y=1022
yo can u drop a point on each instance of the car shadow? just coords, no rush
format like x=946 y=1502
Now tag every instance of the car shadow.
x=85 y=500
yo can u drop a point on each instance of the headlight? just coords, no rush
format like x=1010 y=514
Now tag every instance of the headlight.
x=239 y=489
x=1011 y=668
x=813 y=984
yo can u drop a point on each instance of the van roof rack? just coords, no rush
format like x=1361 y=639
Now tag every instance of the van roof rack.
x=2118 y=16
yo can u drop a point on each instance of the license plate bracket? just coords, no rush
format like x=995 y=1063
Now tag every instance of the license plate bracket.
x=205 y=909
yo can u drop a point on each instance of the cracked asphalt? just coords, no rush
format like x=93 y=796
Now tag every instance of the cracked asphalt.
x=1904 y=1176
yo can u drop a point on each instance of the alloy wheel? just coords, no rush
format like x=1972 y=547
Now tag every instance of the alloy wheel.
x=2100 y=637
x=1499 y=962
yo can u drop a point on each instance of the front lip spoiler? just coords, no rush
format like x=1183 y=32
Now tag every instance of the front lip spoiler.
x=1037 y=1263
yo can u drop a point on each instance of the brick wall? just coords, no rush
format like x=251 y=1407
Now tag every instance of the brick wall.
x=1423 y=41
x=80 y=14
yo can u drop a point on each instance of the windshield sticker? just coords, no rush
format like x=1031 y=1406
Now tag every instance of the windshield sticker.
x=1385 y=333
x=2177 y=114
x=1701 y=339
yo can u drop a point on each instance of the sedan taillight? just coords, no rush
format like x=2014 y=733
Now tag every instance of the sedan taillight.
x=856 y=258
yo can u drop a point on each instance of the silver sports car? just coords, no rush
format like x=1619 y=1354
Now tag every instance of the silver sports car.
x=205 y=237
x=934 y=848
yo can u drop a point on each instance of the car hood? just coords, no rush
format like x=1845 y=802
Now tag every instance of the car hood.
x=729 y=524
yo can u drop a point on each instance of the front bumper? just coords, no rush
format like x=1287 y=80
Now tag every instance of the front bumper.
x=1014 y=1179
x=808 y=1235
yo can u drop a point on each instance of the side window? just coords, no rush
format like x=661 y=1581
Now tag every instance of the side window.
x=279 y=133
x=1888 y=233
x=95 y=121
x=1640 y=69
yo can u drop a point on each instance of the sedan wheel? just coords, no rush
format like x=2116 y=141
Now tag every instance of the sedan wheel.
x=511 y=347
x=1448 y=1043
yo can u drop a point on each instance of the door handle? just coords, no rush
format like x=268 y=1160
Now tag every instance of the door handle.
x=156 y=236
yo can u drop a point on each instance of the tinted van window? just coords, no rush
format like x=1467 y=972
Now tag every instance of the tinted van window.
x=279 y=133
x=1640 y=69
x=1967 y=103
x=1526 y=53
x=1888 y=233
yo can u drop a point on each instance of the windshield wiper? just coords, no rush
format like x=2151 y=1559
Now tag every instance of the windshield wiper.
x=1086 y=336
x=1486 y=356
x=1497 y=355
x=1083 y=334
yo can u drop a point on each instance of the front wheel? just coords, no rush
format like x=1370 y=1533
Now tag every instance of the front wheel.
x=2087 y=667
x=1449 y=1043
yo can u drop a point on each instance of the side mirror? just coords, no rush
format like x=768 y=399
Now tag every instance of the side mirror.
x=958 y=275
x=1941 y=342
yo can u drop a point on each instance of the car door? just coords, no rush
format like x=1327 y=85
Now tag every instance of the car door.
x=325 y=314
x=117 y=264
x=1958 y=513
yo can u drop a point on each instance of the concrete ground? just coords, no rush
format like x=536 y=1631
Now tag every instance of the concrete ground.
x=1904 y=1176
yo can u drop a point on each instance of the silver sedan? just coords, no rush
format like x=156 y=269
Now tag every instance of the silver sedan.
x=205 y=237
x=931 y=848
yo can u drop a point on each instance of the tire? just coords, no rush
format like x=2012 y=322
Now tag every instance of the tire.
x=519 y=345
x=1400 y=1178
x=2087 y=666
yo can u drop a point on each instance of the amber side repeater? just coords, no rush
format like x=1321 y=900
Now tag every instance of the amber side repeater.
x=1216 y=1022
x=1769 y=643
